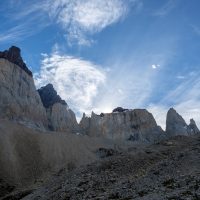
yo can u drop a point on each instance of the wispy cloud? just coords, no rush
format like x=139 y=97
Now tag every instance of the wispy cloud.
x=79 y=19
x=82 y=18
x=76 y=80
x=185 y=98
x=180 y=77
x=131 y=83
x=21 y=31
x=166 y=8
x=124 y=89
x=13 y=34
x=22 y=19
x=86 y=87
x=159 y=112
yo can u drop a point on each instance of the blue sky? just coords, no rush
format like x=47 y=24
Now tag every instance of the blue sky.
x=100 y=54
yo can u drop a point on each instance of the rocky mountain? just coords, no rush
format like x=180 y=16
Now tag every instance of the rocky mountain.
x=19 y=100
x=176 y=125
x=123 y=161
x=60 y=117
x=136 y=125
x=14 y=56
x=192 y=128
x=49 y=96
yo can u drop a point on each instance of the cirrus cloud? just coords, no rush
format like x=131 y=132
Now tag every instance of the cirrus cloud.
x=81 y=18
x=184 y=98
x=76 y=80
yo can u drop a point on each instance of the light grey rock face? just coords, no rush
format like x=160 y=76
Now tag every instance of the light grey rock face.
x=61 y=118
x=85 y=124
x=192 y=128
x=176 y=125
x=136 y=125
x=19 y=99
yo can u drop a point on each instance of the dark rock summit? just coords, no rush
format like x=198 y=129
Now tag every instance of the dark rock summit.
x=119 y=109
x=49 y=96
x=14 y=55
x=60 y=117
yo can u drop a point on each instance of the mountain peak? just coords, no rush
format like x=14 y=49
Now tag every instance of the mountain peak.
x=119 y=109
x=49 y=96
x=13 y=54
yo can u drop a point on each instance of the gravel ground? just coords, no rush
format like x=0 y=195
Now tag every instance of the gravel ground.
x=168 y=170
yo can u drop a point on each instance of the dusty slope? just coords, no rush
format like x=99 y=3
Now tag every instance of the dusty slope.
x=168 y=170
x=28 y=156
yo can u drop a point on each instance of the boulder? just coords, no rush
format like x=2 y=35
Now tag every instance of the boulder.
x=119 y=109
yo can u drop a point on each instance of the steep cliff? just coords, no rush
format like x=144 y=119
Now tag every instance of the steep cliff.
x=176 y=125
x=60 y=117
x=192 y=127
x=49 y=96
x=136 y=125
x=14 y=56
x=19 y=99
